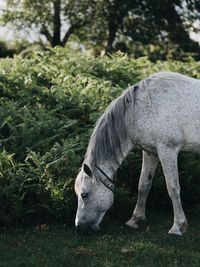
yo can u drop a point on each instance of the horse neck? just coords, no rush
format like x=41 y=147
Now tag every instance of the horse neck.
x=109 y=166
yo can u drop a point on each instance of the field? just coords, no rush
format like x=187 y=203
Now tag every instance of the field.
x=115 y=245
x=48 y=107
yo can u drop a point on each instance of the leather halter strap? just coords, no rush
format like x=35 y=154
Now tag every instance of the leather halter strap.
x=105 y=180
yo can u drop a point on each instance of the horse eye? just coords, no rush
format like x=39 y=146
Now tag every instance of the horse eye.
x=84 y=195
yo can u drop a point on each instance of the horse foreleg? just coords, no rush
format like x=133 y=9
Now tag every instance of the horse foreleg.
x=149 y=165
x=168 y=159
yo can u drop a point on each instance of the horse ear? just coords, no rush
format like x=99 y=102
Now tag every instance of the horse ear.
x=87 y=170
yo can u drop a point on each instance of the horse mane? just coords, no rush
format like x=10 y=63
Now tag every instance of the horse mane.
x=110 y=131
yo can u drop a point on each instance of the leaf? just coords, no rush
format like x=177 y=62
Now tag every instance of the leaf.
x=126 y=251
x=43 y=226
x=85 y=252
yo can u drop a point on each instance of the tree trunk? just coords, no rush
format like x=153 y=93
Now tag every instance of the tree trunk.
x=117 y=11
x=56 y=23
x=111 y=33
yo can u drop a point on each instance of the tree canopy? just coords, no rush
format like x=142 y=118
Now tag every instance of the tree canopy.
x=107 y=25
x=54 y=19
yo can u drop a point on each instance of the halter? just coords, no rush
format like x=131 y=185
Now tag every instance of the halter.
x=106 y=180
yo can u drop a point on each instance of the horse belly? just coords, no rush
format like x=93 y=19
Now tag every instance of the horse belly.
x=192 y=136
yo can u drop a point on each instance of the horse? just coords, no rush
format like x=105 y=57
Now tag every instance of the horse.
x=160 y=114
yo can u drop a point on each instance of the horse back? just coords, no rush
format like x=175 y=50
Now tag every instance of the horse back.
x=167 y=109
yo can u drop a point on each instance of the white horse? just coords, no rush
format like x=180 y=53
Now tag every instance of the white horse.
x=161 y=114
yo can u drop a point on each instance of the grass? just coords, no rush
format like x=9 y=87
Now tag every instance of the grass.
x=115 y=245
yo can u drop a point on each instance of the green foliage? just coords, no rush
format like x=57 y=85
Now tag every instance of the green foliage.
x=48 y=106
x=48 y=17
x=108 y=25
x=9 y=48
x=5 y=51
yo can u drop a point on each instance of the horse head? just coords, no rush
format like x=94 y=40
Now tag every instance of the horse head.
x=95 y=197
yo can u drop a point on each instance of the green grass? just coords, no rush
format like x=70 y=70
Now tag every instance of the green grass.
x=115 y=245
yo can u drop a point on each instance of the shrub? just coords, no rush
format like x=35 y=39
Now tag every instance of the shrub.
x=48 y=106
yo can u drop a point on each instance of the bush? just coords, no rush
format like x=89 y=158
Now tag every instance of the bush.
x=48 y=106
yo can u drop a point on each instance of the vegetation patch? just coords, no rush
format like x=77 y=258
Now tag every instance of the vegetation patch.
x=115 y=245
x=48 y=107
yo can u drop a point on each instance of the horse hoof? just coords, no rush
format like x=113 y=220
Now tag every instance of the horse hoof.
x=132 y=224
x=175 y=235
x=135 y=224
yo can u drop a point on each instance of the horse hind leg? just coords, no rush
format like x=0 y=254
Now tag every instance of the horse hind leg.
x=149 y=165
x=168 y=159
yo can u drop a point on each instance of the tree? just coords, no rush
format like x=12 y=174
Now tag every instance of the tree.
x=57 y=20
x=107 y=25
x=193 y=15
x=120 y=22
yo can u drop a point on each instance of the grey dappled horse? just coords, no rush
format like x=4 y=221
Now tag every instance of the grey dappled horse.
x=161 y=114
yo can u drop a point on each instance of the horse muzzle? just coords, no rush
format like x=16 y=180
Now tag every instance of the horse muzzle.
x=87 y=228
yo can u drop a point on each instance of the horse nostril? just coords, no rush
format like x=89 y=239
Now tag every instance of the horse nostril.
x=78 y=229
x=85 y=229
x=81 y=229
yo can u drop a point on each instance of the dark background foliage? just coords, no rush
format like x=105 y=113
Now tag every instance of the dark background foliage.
x=158 y=29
